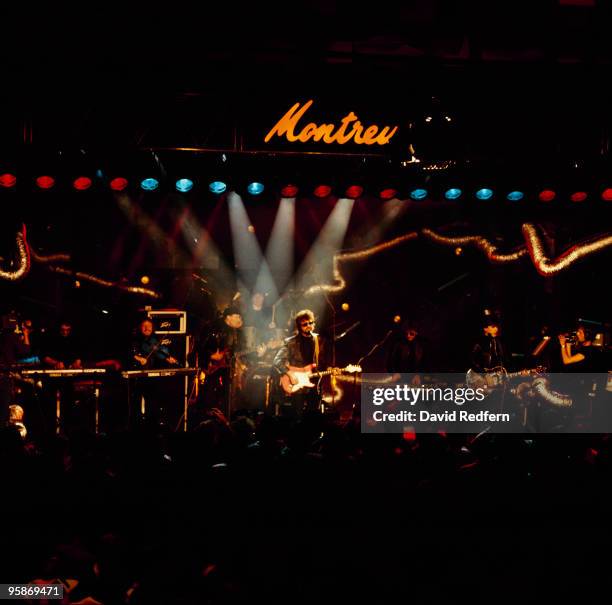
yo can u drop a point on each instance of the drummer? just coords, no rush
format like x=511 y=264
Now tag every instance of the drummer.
x=257 y=321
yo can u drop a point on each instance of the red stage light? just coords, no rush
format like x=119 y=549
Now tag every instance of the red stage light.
x=289 y=191
x=547 y=195
x=8 y=180
x=409 y=435
x=353 y=192
x=322 y=190
x=118 y=184
x=45 y=182
x=606 y=195
x=82 y=183
x=388 y=194
x=578 y=196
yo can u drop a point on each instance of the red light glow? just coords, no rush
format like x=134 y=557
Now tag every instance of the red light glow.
x=45 y=182
x=353 y=192
x=82 y=183
x=578 y=196
x=388 y=194
x=118 y=184
x=548 y=195
x=322 y=190
x=8 y=180
x=289 y=191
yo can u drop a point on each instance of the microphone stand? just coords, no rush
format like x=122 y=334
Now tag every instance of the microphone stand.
x=333 y=345
x=375 y=347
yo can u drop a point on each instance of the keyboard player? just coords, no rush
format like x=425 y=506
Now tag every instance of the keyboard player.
x=149 y=399
x=147 y=351
x=62 y=350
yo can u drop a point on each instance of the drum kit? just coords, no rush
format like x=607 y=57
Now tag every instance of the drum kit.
x=256 y=381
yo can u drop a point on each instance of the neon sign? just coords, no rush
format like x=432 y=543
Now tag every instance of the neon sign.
x=287 y=126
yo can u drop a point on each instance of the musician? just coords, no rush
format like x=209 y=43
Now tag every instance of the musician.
x=258 y=315
x=11 y=348
x=147 y=351
x=304 y=348
x=62 y=350
x=149 y=400
x=406 y=353
x=225 y=336
x=488 y=351
x=576 y=350
x=221 y=376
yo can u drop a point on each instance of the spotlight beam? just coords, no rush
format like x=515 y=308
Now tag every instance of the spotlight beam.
x=324 y=249
x=279 y=251
x=247 y=251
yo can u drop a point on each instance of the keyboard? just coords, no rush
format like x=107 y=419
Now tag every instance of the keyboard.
x=69 y=373
x=158 y=372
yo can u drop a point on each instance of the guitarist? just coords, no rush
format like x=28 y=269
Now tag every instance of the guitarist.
x=304 y=348
x=221 y=376
x=488 y=351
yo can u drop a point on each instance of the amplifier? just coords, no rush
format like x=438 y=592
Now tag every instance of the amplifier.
x=178 y=345
x=168 y=322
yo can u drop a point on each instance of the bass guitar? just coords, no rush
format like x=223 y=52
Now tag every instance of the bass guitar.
x=296 y=378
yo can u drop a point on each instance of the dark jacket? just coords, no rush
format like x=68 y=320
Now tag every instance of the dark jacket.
x=488 y=353
x=405 y=357
x=298 y=351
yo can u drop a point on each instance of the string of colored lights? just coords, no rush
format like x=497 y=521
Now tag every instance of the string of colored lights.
x=27 y=254
x=49 y=258
x=534 y=248
x=340 y=282
x=79 y=275
x=23 y=251
x=540 y=389
x=478 y=241
x=545 y=266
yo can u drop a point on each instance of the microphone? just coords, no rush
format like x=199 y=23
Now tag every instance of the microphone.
x=352 y=327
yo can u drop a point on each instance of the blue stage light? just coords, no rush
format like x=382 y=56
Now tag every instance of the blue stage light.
x=149 y=184
x=515 y=196
x=255 y=188
x=484 y=194
x=453 y=193
x=217 y=187
x=184 y=185
x=418 y=194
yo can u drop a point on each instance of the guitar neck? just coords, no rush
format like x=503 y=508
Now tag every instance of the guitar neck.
x=521 y=373
x=321 y=374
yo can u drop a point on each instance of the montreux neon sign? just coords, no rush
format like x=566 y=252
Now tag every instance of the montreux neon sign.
x=350 y=129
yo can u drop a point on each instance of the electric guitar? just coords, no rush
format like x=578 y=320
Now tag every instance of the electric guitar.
x=221 y=358
x=296 y=378
x=498 y=376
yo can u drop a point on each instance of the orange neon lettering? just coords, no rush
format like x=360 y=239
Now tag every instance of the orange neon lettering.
x=385 y=135
x=287 y=127
x=357 y=130
x=307 y=132
x=341 y=136
x=369 y=136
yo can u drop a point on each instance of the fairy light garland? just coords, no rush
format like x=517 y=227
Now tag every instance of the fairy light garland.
x=545 y=266
x=23 y=252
